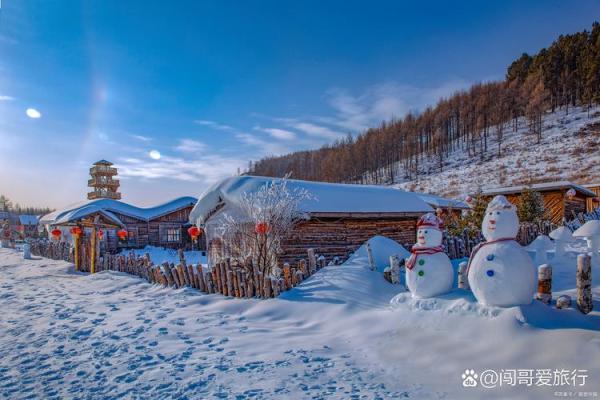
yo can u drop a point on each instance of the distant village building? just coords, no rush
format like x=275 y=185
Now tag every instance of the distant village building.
x=163 y=225
x=338 y=220
x=562 y=199
x=446 y=205
x=29 y=225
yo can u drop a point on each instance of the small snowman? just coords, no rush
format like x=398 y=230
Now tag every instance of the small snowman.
x=500 y=271
x=428 y=270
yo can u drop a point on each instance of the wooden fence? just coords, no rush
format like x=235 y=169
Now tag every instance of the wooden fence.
x=228 y=277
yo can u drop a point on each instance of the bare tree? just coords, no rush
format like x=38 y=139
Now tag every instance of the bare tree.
x=258 y=226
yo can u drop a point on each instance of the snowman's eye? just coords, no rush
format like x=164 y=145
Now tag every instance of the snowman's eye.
x=425 y=231
x=490 y=213
x=497 y=212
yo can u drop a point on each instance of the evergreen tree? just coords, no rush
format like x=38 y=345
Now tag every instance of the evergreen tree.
x=531 y=206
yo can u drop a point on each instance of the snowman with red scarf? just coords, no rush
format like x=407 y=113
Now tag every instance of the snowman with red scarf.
x=428 y=270
x=500 y=271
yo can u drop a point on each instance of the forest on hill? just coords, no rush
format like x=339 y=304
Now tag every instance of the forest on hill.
x=566 y=74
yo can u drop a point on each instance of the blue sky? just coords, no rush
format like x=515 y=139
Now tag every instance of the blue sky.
x=212 y=85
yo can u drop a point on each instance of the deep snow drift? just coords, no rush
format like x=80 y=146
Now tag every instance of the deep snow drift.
x=343 y=333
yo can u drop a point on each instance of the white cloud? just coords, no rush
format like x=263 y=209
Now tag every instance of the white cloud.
x=142 y=138
x=207 y=169
x=383 y=102
x=33 y=113
x=263 y=147
x=190 y=146
x=214 y=125
x=277 y=133
x=314 y=130
x=6 y=98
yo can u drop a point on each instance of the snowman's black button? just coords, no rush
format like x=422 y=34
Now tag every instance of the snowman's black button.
x=490 y=257
x=421 y=273
x=490 y=272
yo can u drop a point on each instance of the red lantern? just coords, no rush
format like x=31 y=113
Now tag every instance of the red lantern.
x=194 y=232
x=56 y=233
x=262 y=228
x=122 y=234
x=468 y=199
x=75 y=231
x=100 y=234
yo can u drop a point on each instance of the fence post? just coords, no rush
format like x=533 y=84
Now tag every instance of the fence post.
x=544 y=293
x=370 y=256
x=463 y=281
x=395 y=269
x=312 y=261
x=584 y=283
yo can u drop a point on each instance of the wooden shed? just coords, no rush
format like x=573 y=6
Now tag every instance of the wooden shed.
x=161 y=226
x=558 y=203
x=593 y=203
x=337 y=220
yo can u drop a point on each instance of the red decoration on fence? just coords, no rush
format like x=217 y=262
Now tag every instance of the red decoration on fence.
x=100 y=234
x=194 y=232
x=56 y=233
x=122 y=234
x=76 y=231
x=262 y=228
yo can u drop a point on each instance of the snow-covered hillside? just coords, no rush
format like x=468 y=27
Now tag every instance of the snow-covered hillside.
x=343 y=333
x=569 y=150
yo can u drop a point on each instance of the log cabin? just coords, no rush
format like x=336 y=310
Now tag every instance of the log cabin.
x=563 y=200
x=594 y=202
x=162 y=226
x=337 y=220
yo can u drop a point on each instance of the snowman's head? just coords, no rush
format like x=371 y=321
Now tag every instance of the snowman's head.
x=429 y=232
x=500 y=220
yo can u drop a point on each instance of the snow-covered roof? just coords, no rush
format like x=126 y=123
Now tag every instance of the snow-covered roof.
x=540 y=187
x=28 y=219
x=110 y=206
x=437 y=201
x=329 y=198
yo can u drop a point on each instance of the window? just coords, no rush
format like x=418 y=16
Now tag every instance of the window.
x=170 y=234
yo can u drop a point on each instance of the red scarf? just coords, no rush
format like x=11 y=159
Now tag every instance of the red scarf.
x=480 y=246
x=415 y=251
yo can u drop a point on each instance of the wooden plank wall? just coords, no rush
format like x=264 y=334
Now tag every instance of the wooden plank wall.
x=556 y=203
x=590 y=204
x=332 y=237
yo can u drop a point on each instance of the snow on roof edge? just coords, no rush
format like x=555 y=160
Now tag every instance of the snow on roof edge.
x=544 y=186
x=143 y=214
x=330 y=197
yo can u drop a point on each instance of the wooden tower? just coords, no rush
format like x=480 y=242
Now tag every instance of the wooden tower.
x=102 y=182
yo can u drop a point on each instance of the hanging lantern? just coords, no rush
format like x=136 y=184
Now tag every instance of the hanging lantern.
x=56 y=233
x=100 y=234
x=75 y=231
x=262 y=228
x=122 y=234
x=469 y=199
x=194 y=232
x=571 y=193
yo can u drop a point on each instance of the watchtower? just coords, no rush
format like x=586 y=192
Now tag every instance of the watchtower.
x=102 y=182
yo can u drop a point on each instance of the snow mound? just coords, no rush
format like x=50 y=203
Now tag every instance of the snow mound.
x=458 y=302
x=382 y=248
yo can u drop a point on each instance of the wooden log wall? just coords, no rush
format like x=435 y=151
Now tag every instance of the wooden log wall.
x=337 y=238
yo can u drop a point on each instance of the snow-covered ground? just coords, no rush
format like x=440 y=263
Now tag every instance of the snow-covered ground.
x=566 y=152
x=343 y=333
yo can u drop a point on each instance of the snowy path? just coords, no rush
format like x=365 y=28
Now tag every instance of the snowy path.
x=69 y=335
